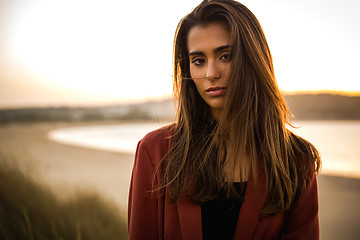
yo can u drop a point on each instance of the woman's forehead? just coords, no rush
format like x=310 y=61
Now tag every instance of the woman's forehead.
x=204 y=36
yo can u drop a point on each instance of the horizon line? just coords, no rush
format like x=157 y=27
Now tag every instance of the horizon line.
x=77 y=104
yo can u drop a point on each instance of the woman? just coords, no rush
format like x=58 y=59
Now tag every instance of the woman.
x=228 y=168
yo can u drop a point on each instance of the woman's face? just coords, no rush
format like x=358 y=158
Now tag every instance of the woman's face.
x=209 y=56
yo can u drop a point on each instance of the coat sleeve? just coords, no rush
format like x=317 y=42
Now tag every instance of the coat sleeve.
x=302 y=221
x=142 y=206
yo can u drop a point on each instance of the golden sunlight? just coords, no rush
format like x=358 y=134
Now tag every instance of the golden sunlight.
x=96 y=52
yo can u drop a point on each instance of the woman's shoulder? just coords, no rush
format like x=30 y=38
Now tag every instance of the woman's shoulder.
x=160 y=137
x=306 y=156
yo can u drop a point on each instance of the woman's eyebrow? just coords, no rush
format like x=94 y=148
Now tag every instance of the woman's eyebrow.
x=219 y=49
x=216 y=50
x=196 y=53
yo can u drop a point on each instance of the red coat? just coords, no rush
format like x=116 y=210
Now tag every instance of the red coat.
x=154 y=217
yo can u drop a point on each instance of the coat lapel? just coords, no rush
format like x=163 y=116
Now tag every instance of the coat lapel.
x=190 y=219
x=190 y=213
x=251 y=207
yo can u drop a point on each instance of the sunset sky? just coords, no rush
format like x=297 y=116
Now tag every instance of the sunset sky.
x=78 y=52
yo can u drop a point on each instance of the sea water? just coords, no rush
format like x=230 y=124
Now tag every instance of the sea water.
x=337 y=141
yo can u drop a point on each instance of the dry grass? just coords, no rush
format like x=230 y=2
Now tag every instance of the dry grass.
x=29 y=210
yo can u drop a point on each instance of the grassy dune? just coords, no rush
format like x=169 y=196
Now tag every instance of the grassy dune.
x=29 y=210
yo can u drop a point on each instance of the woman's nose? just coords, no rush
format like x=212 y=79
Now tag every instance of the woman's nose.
x=213 y=71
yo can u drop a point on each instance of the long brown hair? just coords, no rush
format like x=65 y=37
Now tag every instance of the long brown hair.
x=253 y=121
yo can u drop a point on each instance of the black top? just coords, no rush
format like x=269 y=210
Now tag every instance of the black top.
x=219 y=216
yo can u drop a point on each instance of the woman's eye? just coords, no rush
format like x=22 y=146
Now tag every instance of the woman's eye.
x=225 y=57
x=198 y=61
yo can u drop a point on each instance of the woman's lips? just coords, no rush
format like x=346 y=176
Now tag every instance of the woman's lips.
x=216 y=91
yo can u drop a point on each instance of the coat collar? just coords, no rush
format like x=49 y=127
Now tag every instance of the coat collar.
x=190 y=219
x=251 y=208
x=190 y=213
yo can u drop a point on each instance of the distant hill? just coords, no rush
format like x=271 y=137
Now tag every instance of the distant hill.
x=152 y=110
x=324 y=106
x=303 y=106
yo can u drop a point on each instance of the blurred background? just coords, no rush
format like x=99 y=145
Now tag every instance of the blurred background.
x=82 y=81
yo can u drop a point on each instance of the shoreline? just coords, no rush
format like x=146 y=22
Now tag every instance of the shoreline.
x=68 y=169
x=101 y=137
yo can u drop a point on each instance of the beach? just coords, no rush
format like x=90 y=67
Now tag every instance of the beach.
x=67 y=169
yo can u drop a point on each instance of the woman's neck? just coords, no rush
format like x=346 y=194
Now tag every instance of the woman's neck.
x=238 y=171
x=216 y=113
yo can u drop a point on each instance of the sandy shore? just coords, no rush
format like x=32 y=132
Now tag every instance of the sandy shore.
x=66 y=169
